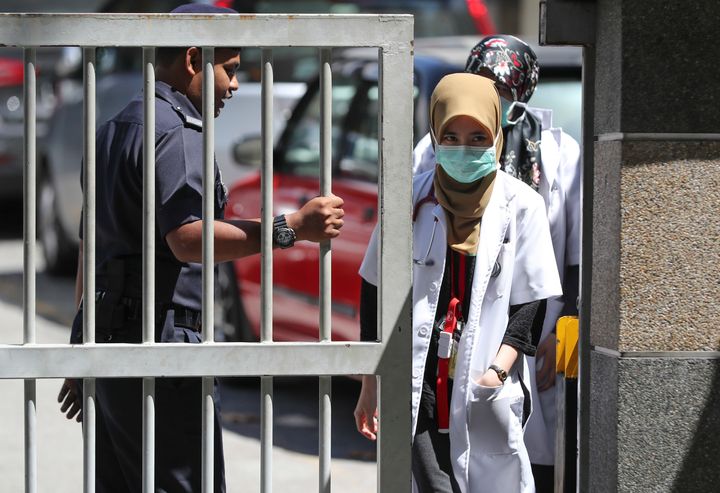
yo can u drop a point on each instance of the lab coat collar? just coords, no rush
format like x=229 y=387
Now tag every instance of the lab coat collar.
x=542 y=114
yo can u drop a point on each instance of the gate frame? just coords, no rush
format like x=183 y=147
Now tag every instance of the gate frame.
x=389 y=359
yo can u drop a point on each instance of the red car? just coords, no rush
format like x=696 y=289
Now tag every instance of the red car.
x=354 y=162
x=296 y=162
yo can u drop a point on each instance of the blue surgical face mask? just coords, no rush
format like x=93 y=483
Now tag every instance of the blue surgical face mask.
x=504 y=111
x=511 y=107
x=466 y=164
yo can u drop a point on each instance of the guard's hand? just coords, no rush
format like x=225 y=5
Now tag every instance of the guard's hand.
x=318 y=220
x=545 y=374
x=71 y=399
x=366 y=415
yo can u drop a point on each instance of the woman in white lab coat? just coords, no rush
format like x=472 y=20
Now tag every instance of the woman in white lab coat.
x=482 y=263
x=547 y=159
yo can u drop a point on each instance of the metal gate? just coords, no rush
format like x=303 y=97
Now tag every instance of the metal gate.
x=388 y=359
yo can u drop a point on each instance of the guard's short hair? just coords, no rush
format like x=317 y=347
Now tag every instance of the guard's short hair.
x=166 y=56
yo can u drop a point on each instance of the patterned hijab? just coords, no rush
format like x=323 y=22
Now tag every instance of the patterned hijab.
x=464 y=203
x=513 y=65
x=521 y=157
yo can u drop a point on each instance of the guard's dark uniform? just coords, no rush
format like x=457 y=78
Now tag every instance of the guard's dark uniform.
x=179 y=165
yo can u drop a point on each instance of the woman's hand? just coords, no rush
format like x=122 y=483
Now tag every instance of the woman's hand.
x=366 y=415
x=504 y=359
x=489 y=379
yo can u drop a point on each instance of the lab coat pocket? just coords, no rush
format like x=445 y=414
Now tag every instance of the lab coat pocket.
x=501 y=273
x=495 y=430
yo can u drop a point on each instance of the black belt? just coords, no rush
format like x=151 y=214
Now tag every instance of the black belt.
x=183 y=317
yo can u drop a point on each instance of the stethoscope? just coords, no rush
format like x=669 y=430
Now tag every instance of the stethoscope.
x=429 y=198
x=425 y=260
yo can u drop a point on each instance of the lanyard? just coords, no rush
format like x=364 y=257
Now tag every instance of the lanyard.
x=445 y=341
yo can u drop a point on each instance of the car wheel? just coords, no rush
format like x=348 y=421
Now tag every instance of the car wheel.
x=60 y=255
x=231 y=323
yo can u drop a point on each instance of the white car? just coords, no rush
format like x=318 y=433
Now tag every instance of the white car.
x=59 y=160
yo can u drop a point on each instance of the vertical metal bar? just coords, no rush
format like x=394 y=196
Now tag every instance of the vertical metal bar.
x=380 y=447
x=325 y=435
x=148 y=314
x=325 y=187
x=266 y=388
x=148 y=451
x=266 y=434
x=89 y=198
x=208 y=260
x=208 y=433
x=267 y=197
x=208 y=257
x=325 y=383
x=586 y=257
x=29 y=230
x=394 y=288
x=29 y=195
x=88 y=428
x=30 y=436
x=89 y=262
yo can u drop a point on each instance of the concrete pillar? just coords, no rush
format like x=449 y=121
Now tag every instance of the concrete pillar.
x=654 y=314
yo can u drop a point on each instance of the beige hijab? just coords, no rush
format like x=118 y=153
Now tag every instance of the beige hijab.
x=474 y=96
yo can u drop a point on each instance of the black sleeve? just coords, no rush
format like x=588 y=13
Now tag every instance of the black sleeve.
x=570 y=287
x=525 y=326
x=368 y=312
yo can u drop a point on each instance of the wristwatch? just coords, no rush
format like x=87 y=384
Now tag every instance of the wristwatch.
x=502 y=374
x=283 y=235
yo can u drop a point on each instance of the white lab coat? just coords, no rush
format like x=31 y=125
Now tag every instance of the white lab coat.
x=560 y=189
x=487 y=449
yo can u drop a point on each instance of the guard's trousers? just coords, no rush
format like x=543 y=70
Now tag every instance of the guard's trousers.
x=178 y=423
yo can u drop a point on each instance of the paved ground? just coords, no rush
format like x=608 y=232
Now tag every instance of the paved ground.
x=295 y=466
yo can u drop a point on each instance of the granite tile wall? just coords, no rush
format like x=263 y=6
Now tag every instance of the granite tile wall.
x=605 y=306
x=670 y=246
x=653 y=69
x=654 y=424
x=656 y=239
x=608 y=66
x=663 y=63
x=603 y=424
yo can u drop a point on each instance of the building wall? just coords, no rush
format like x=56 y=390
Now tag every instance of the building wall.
x=654 y=404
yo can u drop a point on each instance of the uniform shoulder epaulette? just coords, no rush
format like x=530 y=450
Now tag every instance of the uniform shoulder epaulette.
x=189 y=121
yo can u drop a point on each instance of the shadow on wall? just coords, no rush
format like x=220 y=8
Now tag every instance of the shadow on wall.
x=700 y=471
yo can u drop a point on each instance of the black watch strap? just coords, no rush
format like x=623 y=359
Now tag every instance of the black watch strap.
x=502 y=374
x=283 y=235
x=279 y=222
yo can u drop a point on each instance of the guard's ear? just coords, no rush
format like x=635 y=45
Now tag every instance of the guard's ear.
x=193 y=60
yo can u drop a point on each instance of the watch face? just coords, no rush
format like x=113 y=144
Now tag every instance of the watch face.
x=284 y=237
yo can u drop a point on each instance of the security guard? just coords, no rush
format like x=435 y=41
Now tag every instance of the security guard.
x=179 y=170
